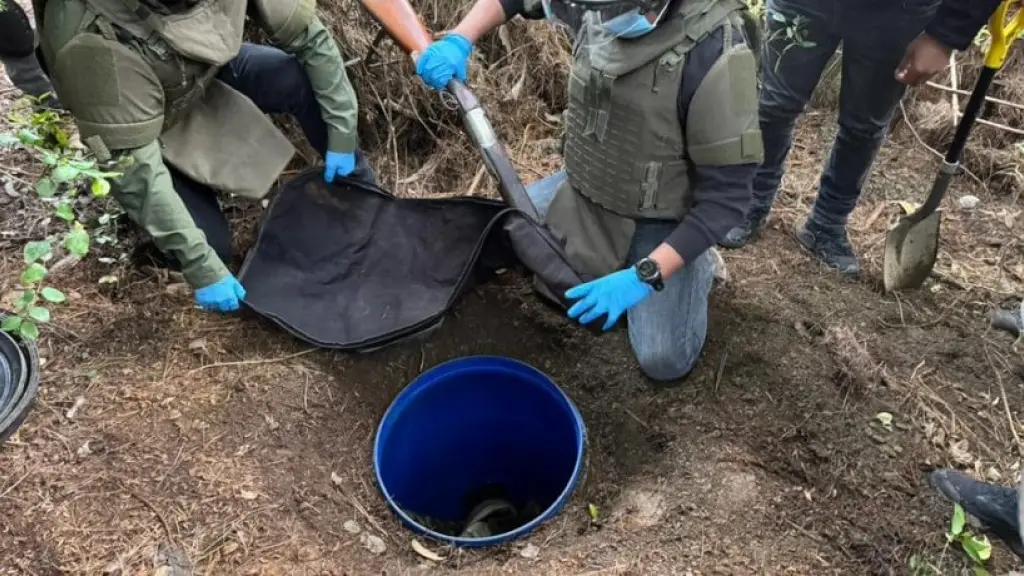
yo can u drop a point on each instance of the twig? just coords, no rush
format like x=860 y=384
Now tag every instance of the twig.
x=1006 y=405
x=966 y=93
x=872 y=218
x=806 y=532
x=476 y=180
x=721 y=370
x=954 y=96
x=999 y=126
x=371 y=52
x=336 y=480
x=921 y=141
x=637 y=418
x=152 y=508
x=252 y=362
x=16 y=482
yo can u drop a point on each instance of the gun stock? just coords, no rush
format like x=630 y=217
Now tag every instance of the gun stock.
x=402 y=23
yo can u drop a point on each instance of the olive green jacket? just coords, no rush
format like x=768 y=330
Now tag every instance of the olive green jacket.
x=150 y=200
x=146 y=190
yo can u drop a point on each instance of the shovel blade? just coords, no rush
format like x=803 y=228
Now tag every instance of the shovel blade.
x=910 y=252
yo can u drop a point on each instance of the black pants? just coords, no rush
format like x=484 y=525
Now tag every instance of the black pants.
x=17 y=39
x=276 y=82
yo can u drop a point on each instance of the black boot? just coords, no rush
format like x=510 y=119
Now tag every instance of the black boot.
x=751 y=228
x=831 y=245
x=26 y=75
x=993 y=505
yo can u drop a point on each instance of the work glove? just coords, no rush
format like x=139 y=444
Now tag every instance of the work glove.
x=223 y=295
x=443 y=59
x=613 y=295
x=338 y=164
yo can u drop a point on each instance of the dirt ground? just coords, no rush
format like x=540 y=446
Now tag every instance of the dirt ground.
x=226 y=441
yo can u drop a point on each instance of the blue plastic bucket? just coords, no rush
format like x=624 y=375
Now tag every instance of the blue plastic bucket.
x=473 y=422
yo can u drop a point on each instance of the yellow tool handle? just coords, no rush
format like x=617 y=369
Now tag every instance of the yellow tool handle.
x=1003 y=33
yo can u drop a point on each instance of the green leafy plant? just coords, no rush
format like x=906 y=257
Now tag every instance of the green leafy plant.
x=70 y=175
x=977 y=548
x=791 y=31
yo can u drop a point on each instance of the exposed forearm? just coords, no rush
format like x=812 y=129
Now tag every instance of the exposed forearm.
x=720 y=203
x=148 y=197
x=484 y=16
x=316 y=49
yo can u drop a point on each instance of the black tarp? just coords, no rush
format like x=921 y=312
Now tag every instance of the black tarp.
x=352 y=267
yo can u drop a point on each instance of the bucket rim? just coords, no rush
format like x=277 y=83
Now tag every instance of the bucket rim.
x=548 y=513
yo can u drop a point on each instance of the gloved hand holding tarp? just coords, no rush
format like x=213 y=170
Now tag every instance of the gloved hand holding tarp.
x=363 y=269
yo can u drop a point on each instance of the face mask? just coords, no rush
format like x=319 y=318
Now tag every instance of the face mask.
x=629 y=25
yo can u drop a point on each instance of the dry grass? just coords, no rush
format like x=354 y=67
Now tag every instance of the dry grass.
x=858 y=369
x=415 y=137
x=994 y=156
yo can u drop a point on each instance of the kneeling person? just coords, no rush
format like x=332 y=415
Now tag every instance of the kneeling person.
x=170 y=84
x=661 y=147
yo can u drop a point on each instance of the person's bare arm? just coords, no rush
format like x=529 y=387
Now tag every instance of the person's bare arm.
x=484 y=16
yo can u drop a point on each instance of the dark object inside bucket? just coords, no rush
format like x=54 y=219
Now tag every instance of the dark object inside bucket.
x=475 y=433
x=19 y=382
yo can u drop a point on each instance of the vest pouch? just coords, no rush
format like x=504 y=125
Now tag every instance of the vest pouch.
x=596 y=240
x=226 y=142
x=210 y=33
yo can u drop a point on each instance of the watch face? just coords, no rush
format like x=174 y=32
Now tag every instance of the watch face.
x=648 y=269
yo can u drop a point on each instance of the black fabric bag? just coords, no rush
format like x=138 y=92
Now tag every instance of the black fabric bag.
x=349 y=266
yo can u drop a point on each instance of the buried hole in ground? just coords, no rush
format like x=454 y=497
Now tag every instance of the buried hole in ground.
x=494 y=320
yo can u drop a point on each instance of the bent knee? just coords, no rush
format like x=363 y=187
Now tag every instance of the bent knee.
x=669 y=360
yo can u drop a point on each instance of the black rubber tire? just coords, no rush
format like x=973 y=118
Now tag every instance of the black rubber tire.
x=23 y=362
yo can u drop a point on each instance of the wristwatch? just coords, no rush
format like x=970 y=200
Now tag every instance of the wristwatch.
x=649 y=273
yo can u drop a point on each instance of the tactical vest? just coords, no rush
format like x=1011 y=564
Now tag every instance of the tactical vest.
x=130 y=76
x=624 y=150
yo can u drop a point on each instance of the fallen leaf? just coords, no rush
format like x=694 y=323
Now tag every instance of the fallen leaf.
x=373 y=543
x=248 y=495
x=425 y=552
x=907 y=207
x=229 y=548
x=959 y=452
x=885 y=419
x=530 y=552
x=352 y=527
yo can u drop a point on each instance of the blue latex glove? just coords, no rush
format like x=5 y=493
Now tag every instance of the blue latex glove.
x=443 y=59
x=338 y=164
x=613 y=295
x=223 y=295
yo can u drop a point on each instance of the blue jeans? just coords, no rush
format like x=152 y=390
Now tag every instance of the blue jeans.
x=874 y=35
x=667 y=330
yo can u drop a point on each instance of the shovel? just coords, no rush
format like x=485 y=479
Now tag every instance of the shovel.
x=403 y=24
x=912 y=245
